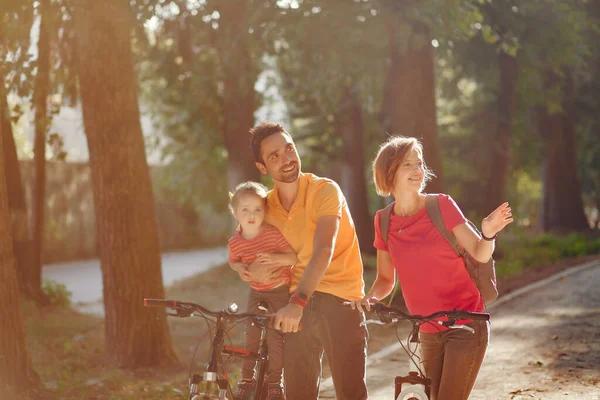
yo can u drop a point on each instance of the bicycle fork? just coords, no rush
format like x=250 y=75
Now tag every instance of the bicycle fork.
x=211 y=375
x=209 y=378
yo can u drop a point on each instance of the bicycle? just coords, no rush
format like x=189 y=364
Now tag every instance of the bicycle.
x=215 y=371
x=415 y=385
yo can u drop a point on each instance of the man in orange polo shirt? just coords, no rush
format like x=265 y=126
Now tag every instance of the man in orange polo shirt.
x=313 y=215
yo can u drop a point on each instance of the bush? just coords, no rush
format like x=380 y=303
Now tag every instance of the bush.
x=526 y=252
x=594 y=246
x=57 y=293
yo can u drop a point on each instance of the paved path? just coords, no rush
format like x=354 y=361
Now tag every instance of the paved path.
x=84 y=278
x=538 y=345
x=545 y=344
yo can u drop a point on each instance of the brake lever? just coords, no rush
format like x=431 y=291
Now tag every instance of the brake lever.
x=465 y=327
x=180 y=314
x=377 y=321
x=371 y=321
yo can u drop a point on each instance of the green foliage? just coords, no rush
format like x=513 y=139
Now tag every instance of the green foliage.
x=587 y=111
x=309 y=52
x=526 y=252
x=545 y=36
x=331 y=47
x=573 y=245
x=57 y=293
x=525 y=194
x=185 y=70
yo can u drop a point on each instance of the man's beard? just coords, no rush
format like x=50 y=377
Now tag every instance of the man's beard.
x=289 y=177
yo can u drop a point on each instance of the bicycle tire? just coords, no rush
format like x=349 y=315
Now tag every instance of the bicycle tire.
x=203 y=396
x=261 y=393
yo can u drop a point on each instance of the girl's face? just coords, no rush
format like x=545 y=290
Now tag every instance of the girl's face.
x=410 y=174
x=250 y=211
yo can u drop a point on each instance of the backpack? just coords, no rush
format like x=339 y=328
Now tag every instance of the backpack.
x=484 y=274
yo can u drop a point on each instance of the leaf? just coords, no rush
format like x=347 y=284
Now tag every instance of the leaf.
x=488 y=35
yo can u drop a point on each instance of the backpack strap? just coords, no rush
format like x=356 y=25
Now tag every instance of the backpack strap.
x=384 y=221
x=432 y=206
x=384 y=230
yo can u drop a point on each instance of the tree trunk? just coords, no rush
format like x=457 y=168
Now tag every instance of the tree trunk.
x=562 y=205
x=500 y=144
x=18 y=207
x=40 y=100
x=239 y=97
x=126 y=227
x=353 y=182
x=410 y=108
x=18 y=379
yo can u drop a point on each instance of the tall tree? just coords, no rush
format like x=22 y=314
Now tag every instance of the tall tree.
x=353 y=182
x=15 y=69
x=327 y=88
x=124 y=204
x=562 y=206
x=409 y=101
x=239 y=97
x=587 y=111
x=28 y=276
x=202 y=72
x=501 y=143
x=504 y=30
x=18 y=379
x=561 y=62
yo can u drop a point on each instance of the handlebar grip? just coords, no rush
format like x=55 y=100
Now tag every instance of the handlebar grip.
x=160 y=303
x=476 y=316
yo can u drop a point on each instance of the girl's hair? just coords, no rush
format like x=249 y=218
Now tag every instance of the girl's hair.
x=255 y=188
x=390 y=156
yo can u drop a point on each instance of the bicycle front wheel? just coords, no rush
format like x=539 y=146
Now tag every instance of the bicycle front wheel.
x=207 y=396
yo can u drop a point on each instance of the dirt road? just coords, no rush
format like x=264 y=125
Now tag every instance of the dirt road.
x=545 y=344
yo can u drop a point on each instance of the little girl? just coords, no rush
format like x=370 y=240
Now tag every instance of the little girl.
x=257 y=239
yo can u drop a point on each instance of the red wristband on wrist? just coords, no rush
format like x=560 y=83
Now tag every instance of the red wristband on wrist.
x=297 y=299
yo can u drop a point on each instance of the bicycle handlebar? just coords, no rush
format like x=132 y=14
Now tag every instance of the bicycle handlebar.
x=186 y=309
x=160 y=303
x=384 y=311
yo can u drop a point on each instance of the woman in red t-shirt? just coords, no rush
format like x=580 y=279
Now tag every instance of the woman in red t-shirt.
x=432 y=276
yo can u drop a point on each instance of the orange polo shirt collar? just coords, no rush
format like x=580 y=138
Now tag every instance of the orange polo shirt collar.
x=300 y=201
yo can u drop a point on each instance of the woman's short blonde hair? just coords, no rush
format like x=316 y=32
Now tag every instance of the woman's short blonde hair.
x=391 y=154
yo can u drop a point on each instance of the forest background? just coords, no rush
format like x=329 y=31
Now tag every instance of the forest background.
x=503 y=94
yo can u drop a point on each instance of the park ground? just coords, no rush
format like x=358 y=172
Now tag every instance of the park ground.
x=545 y=343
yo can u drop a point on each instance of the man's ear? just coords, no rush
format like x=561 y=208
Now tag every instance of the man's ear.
x=261 y=167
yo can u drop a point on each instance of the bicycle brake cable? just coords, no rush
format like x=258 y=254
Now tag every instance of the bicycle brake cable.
x=209 y=330
x=411 y=354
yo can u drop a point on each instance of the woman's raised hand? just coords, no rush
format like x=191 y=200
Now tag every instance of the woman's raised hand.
x=497 y=220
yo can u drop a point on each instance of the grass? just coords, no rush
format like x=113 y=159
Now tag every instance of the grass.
x=67 y=347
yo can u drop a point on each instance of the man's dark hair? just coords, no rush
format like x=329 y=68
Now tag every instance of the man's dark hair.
x=259 y=133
